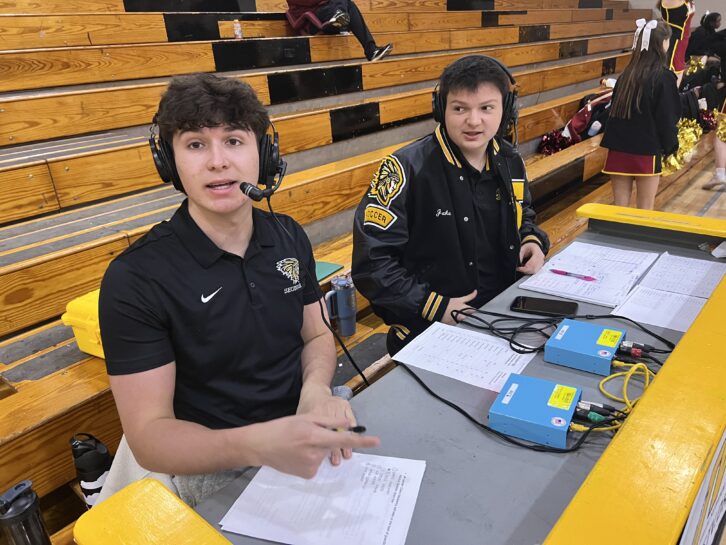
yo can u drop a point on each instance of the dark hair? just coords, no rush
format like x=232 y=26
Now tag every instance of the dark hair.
x=197 y=101
x=468 y=73
x=643 y=66
x=708 y=19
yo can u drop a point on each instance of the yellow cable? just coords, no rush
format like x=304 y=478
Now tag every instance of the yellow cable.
x=634 y=369
x=581 y=428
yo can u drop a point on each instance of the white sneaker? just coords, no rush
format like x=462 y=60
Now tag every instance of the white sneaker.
x=715 y=184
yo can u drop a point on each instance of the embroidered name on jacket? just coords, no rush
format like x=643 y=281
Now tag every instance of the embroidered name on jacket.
x=290 y=269
x=388 y=181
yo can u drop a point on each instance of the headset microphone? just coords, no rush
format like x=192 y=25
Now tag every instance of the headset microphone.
x=257 y=194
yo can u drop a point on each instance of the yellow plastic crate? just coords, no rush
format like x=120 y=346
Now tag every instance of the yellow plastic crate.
x=145 y=513
x=82 y=315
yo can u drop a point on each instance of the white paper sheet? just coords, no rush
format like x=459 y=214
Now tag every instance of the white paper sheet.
x=719 y=251
x=710 y=504
x=695 y=277
x=367 y=500
x=615 y=271
x=660 y=308
x=465 y=355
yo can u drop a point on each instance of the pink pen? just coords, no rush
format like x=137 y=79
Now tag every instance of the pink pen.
x=574 y=275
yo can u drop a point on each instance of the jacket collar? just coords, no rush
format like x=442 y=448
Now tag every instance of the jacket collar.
x=451 y=151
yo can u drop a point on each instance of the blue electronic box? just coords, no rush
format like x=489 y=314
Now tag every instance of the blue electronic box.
x=535 y=409
x=584 y=345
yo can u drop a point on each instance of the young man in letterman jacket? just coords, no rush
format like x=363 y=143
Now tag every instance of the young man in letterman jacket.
x=447 y=222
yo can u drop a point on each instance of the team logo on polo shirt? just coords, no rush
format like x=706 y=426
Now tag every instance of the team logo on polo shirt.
x=290 y=269
x=388 y=181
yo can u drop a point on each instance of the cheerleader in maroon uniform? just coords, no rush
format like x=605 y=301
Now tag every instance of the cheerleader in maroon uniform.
x=678 y=15
x=641 y=128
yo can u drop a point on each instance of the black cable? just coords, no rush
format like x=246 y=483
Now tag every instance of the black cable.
x=527 y=325
x=524 y=444
x=313 y=281
x=640 y=326
x=651 y=358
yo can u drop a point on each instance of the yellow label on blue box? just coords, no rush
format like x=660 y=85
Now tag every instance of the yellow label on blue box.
x=562 y=397
x=609 y=337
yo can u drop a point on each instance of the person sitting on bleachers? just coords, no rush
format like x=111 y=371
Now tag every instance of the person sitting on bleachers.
x=447 y=222
x=216 y=349
x=335 y=16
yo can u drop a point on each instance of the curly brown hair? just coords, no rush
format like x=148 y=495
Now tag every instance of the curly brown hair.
x=196 y=101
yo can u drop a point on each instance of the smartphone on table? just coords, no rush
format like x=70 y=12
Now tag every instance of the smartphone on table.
x=543 y=307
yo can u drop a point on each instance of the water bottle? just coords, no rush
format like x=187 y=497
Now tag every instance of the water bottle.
x=341 y=304
x=20 y=516
x=237 y=29
x=92 y=461
x=594 y=128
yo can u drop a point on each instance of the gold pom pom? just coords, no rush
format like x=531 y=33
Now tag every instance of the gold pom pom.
x=689 y=132
x=721 y=127
x=695 y=64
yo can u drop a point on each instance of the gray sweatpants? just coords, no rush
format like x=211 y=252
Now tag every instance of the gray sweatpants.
x=192 y=489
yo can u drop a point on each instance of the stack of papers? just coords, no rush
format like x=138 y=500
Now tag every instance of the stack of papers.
x=367 y=500
x=611 y=273
x=673 y=292
x=684 y=275
x=465 y=355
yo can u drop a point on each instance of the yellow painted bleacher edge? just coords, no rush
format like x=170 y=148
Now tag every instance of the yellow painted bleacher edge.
x=656 y=219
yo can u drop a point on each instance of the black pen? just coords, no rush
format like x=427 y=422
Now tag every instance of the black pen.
x=354 y=429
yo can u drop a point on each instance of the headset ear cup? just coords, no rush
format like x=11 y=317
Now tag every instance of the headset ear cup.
x=163 y=156
x=436 y=107
x=275 y=161
x=167 y=155
x=510 y=115
x=264 y=175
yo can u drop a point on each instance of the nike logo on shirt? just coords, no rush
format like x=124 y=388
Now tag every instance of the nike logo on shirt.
x=206 y=299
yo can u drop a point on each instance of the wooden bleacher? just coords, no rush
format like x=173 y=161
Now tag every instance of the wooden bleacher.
x=84 y=177
x=117 y=6
x=36 y=115
x=69 y=70
x=96 y=29
x=50 y=67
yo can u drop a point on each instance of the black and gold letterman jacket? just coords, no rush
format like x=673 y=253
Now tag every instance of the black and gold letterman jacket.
x=414 y=240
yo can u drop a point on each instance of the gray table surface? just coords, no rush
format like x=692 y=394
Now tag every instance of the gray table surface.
x=478 y=489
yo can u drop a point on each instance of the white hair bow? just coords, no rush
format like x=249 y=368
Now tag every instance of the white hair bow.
x=641 y=24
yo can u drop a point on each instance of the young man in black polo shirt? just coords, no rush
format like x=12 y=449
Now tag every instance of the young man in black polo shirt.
x=217 y=354
x=447 y=222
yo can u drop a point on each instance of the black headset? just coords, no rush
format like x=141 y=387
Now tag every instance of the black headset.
x=271 y=164
x=510 y=111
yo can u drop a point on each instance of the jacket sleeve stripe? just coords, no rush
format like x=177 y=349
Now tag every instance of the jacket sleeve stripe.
x=532 y=238
x=435 y=308
x=427 y=306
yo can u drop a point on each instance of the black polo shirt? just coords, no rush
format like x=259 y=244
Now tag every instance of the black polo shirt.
x=487 y=196
x=231 y=324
